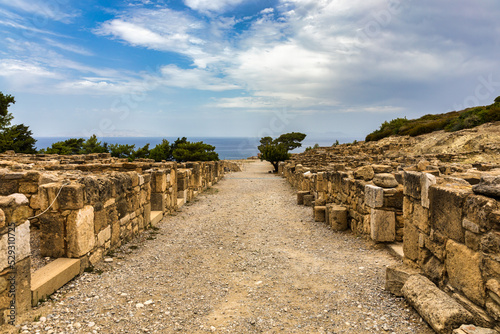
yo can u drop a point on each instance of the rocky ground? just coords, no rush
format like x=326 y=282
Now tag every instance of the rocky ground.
x=241 y=258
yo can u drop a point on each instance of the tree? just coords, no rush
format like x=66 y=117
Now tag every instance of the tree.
x=122 y=150
x=93 y=145
x=17 y=137
x=199 y=151
x=65 y=147
x=5 y=116
x=141 y=153
x=161 y=152
x=276 y=150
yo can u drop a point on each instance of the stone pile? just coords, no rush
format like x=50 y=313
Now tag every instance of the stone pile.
x=445 y=212
x=84 y=206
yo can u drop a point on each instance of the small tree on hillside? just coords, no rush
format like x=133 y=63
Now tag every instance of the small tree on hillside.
x=276 y=150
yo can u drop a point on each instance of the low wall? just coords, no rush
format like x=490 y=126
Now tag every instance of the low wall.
x=83 y=206
x=446 y=214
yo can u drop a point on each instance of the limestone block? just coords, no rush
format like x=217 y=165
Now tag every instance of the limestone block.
x=300 y=197
x=104 y=236
x=426 y=180
x=463 y=267
x=100 y=220
x=71 y=197
x=393 y=198
x=80 y=232
x=20 y=240
x=382 y=225
x=434 y=269
x=8 y=187
x=23 y=292
x=440 y=311
x=488 y=186
x=319 y=213
x=336 y=216
x=396 y=277
x=471 y=329
x=374 y=196
x=365 y=173
x=481 y=317
x=2 y=219
x=19 y=199
x=490 y=243
x=412 y=185
x=420 y=218
x=482 y=210
x=381 y=169
x=52 y=241
x=446 y=211
x=385 y=180
x=308 y=200
x=410 y=242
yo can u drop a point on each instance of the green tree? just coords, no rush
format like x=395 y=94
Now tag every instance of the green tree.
x=18 y=138
x=199 y=151
x=161 y=152
x=276 y=150
x=5 y=116
x=141 y=153
x=93 y=145
x=65 y=147
x=121 y=150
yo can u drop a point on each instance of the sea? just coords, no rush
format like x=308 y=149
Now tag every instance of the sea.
x=228 y=148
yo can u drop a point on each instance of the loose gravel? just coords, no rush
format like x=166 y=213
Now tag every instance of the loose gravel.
x=241 y=258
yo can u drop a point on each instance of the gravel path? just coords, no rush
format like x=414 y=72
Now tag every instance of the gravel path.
x=241 y=258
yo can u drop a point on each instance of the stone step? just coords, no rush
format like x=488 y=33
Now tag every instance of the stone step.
x=156 y=216
x=180 y=202
x=50 y=278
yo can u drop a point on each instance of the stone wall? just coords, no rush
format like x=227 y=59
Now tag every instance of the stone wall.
x=446 y=213
x=84 y=206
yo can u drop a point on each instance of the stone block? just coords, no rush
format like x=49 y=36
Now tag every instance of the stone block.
x=300 y=197
x=80 y=232
x=488 y=186
x=471 y=329
x=410 y=242
x=71 y=197
x=381 y=169
x=393 y=198
x=365 y=173
x=426 y=180
x=412 y=185
x=385 y=180
x=21 y=242
x=336 y=216
x=104 y=236
x=374 y=196
x=490 y=243
x=382 y=225
x=420 y=218
x=53 y=276
x=463 y=267
x=440 y=311
x=52 y=236
x=396 y=277
x=446 y=211
x=319 y=213
x=482 y=210
x=8 y=187
x=22 y=273
x=308 y=200
x=434 y=269
x=157 y=202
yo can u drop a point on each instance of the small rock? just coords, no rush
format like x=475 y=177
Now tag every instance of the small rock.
x=139 y=305
x=149 y=302
x=108 y=259
x=385 y=180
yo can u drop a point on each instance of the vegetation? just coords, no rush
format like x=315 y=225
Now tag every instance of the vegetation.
x=18 y=138
x=181 y=150
x=451 y=121
x=276 y=150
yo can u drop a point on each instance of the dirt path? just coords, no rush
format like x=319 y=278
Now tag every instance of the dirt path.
x=242 y=258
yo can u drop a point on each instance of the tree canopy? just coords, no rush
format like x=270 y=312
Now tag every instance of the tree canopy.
x=276 y=150
x=16 y=137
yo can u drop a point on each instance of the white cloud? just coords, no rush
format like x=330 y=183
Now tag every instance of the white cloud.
x=174 y=76
x=54 y=10
x=217 y=6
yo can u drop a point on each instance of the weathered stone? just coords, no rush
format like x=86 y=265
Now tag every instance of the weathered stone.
x=481 y=317
x=396 y=277
x=381 y=169
x=382 y=225
x=308 y=200
x=336 y=216
x=80 y=232
x=412 y=185
x=319 y=213
x=422 y=165
x=365 y=173
x=471 y=329
x=2 y=219
x=434 y=269
x=22 y=245
x=104 y=236
x=374 y=196
x=446 y=211
x=393 y=198
x=410 y=242
x=464 y=271
x=19 y=199
x=426 y=180
x=438 y=309
x=385 y=180
x=489 y=186
x=52 y=239
x=490 y=243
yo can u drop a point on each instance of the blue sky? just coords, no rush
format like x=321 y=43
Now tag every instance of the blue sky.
x=226 y=68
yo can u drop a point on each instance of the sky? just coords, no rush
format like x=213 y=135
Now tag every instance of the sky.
x=233 y=68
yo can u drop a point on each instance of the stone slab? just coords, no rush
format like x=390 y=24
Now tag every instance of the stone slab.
x=396 y=277
x=156 y=217
x=53 y=276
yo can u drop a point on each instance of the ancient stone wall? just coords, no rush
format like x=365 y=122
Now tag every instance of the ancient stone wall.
x=84 y=206
x=445 y=212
